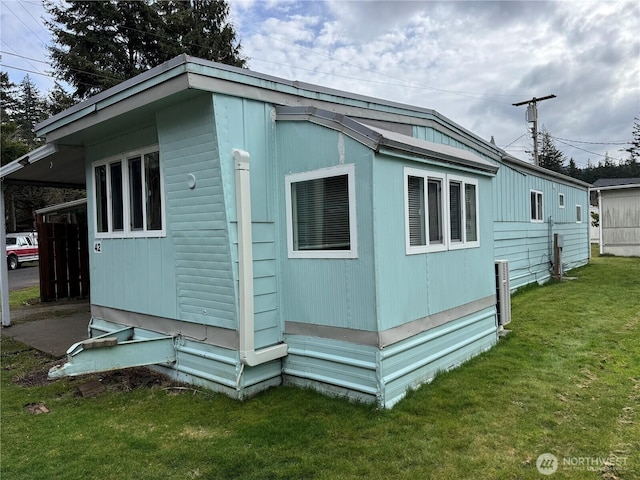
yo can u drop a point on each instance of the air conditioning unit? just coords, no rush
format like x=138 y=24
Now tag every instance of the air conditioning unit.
x=503 y=292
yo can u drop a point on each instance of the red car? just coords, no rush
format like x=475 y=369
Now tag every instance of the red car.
x=21 y=247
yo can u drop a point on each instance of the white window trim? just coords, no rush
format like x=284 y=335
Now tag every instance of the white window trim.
x=561 y=200
x=464 y=243
x=426 y=175
x=348 y=170
x=126 y=232
x=446 y=244
x=537 y=192
x=578 y=207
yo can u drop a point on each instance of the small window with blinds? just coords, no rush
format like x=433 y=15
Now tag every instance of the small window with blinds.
x=441 y=211
x=321 y=213
x=424 y=211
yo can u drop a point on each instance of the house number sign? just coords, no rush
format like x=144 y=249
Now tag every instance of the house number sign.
x=97 y=247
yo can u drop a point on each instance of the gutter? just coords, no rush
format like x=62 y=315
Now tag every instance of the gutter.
x=246 y=328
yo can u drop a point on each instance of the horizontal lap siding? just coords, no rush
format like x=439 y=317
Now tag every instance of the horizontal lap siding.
x=196 y=217
x=267 y=326
x=332 y=367
x=418 y=359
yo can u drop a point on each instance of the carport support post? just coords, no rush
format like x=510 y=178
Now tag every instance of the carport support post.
x=4 y=273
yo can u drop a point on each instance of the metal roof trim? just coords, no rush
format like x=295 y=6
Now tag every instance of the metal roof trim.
x=377 y=138
x=520 y=165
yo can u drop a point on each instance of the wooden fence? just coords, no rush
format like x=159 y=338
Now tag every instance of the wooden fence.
x=64 y=261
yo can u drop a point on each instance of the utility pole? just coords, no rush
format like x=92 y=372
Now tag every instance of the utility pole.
x=532 y=117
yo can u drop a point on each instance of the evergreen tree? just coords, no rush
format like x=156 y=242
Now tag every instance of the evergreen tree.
x=572 y=169
x=550 y=157
x=30 y=109
x=59 y=100
x=100 y=44
x=12 y=146
x=634 y=148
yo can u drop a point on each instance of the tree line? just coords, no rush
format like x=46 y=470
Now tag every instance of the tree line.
x=96 y=46
x=552 y=158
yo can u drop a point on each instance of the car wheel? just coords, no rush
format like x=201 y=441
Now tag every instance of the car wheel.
x=12 y=262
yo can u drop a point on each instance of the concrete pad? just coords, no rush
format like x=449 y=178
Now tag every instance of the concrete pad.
x=52 y=335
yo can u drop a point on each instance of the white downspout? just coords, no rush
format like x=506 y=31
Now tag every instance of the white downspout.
x=246 y=330
x=4 y=273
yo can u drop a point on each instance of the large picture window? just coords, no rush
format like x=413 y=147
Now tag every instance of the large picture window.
x=321 y=217
x=440 y=211
x=129 y=195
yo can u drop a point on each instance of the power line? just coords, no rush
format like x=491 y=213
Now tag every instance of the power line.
x=22 y=56
x=617 y=142
x=589 y=151
x=6 y=4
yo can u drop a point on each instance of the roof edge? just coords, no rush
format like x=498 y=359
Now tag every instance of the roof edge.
x=376 y=139
x=517 y=163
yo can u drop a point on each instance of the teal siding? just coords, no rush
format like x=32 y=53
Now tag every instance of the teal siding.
x=249 y=125
x=431 y=134
x=331 y=292
x=529 y=245
x=268 y=330
x=332 y=367
x=415 y=286
x=138 y=274
x=196 y=217
x=418 y=359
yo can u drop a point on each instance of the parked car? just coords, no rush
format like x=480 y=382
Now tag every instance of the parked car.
x=21 y=247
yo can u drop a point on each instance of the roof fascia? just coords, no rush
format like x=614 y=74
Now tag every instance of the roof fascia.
x=33 y=156
x=618 y=187
x=540 y=171
x=122 y=91
x=112 y=108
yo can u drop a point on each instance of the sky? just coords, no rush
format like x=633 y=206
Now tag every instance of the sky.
x=468 y=60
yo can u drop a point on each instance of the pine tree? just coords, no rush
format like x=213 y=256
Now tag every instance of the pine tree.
x=100 y=44
x=12 y=146
x=550 y=157
x=58 y=100
x=634 y=148
x=30 y=109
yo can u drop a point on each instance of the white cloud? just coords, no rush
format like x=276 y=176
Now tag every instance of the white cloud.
x=468 y=60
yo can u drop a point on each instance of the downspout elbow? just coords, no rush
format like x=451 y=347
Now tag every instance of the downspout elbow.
x=246 y=329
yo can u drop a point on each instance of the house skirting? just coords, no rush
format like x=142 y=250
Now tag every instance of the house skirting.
x=357 y=365
x=372 y=373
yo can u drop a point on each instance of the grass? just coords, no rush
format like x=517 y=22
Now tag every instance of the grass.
x=566 y=381
x=24 y=296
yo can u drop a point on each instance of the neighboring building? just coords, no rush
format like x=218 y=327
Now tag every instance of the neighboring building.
x=619 y=209
x=246 y=230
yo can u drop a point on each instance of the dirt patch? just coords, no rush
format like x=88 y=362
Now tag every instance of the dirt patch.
x=36 y=408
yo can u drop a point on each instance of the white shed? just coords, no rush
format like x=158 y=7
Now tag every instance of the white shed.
x=619 y=207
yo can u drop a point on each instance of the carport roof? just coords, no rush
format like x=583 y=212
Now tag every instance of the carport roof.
x=50 y=165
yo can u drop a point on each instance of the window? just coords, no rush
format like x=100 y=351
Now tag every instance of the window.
x=435 y=221
x=578 y=213
x=536 y=206
x=129 y=195
x=561 y=200
x=321 y=216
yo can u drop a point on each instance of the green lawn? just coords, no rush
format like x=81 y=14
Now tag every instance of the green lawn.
x=566 y=381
